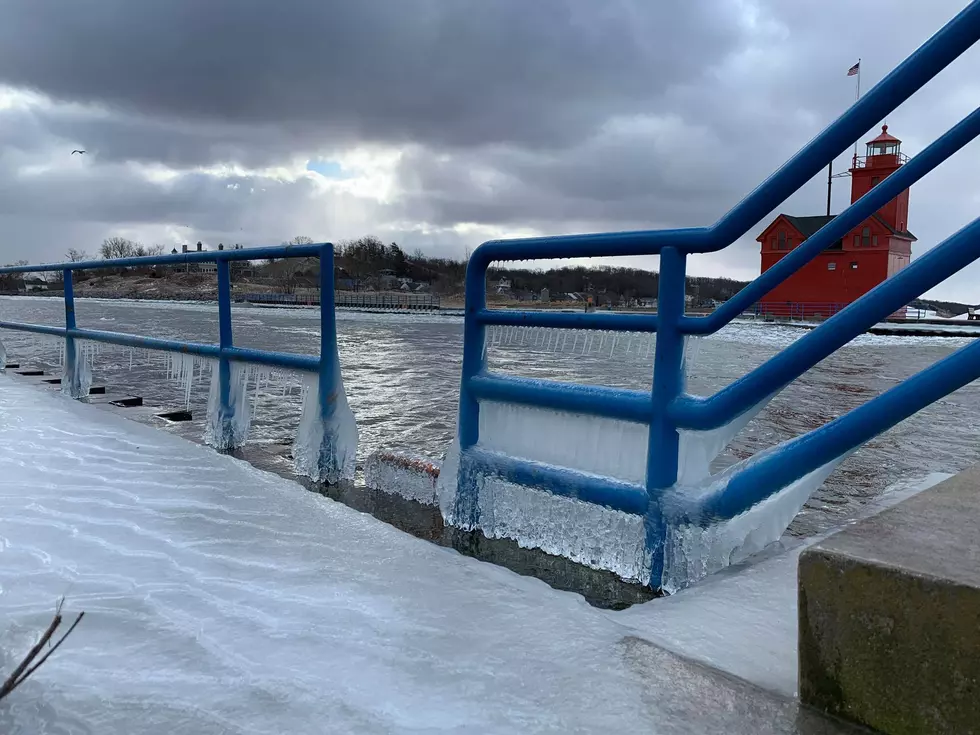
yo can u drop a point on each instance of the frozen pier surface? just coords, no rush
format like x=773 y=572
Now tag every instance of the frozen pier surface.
x=221 y=599
x=890 y=613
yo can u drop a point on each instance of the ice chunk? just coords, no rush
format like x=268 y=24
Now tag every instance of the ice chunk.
x=76 y=379
x=447 y=484
x=326 y=446
x=411 y=476
x=3 y=357
x=592 y=444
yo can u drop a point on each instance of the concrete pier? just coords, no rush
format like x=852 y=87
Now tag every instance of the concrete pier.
x=889 y=615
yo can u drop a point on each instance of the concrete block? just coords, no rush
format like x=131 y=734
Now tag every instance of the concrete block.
x=889 y=612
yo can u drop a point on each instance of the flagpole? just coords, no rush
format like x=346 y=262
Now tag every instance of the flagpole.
x=857 y=96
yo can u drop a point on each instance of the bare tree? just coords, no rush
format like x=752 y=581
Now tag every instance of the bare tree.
x=119 y=247
x=76 y=256
x=289 y=272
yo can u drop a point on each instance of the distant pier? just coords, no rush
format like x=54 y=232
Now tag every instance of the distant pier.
x=386 y=300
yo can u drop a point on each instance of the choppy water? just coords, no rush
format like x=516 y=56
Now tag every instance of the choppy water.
x=401 y=373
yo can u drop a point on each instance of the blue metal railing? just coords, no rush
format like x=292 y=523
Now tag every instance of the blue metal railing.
x=326 y=365
x=667 y=409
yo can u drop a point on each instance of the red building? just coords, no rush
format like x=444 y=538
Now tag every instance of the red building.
x=877 y=249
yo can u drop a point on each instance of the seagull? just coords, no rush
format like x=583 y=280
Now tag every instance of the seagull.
x=76 y=151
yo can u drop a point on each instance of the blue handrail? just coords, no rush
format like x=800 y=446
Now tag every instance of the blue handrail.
x=666 y=409
x=331 y=464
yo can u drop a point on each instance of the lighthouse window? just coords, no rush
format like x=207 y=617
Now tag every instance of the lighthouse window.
x=831 y=266
x=874 y=240
x=875 y=181
x=866 y=236
x=782 y=240
x=857 y=241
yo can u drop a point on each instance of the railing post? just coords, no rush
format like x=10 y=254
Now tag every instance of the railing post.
x=668 y=382
x=225 y=434
x=328 y=335
x=326 y=445
x=68 y=376
x=465 y=509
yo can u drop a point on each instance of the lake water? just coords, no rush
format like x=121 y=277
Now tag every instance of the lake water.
x=401 y=373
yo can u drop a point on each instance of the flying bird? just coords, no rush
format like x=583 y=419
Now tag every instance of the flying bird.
x=76 y=151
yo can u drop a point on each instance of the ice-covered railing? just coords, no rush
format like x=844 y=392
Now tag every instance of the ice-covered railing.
x=326 y=441
x=646 y=483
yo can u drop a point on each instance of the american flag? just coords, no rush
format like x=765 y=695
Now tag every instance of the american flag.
x=856 y=69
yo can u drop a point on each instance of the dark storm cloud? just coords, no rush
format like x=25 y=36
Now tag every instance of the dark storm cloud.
x=554 y=115
x=707 y=145
x=454 y=73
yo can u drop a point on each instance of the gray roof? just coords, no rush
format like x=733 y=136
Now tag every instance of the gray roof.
x=808 y=226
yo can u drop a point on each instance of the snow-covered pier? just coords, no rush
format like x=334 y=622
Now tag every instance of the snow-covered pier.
x=220 y=598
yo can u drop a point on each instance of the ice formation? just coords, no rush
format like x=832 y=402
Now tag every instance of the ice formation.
x=3 y=357
x=692 y=552
x=76 y=379
x=186 y=370
x=584 y=343
x=411 y=476
x=326 y=446
x=583 y=532
x=592 y=535
x=592 y=444
x=697 y=449
x=228 y=430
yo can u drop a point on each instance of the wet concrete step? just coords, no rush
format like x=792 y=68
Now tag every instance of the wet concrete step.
x=889 y=612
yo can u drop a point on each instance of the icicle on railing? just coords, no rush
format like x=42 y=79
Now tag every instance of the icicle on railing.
x=228 y=429
x=186 y=370
x=76 y=378
x=326 y=442
x=578 y=342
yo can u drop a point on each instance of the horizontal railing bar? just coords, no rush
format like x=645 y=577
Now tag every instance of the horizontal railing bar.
x=622 y=496
x=890 y=187
x=804 y=454
x=146 y=343
x=932 y=268
x=595 y=400
x=603 y=244
x=204 y=256
x=567 y=320
x=308 y=363
x=35 y=328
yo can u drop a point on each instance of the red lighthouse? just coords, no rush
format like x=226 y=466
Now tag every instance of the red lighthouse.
x=875 y=250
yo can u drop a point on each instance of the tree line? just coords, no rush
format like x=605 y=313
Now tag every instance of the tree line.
x=361 y=261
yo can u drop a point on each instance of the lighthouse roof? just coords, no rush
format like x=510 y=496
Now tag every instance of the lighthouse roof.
x=808 y=226
x=884 y=137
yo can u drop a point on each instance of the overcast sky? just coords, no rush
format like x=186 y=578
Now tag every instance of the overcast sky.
x=439 y=124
